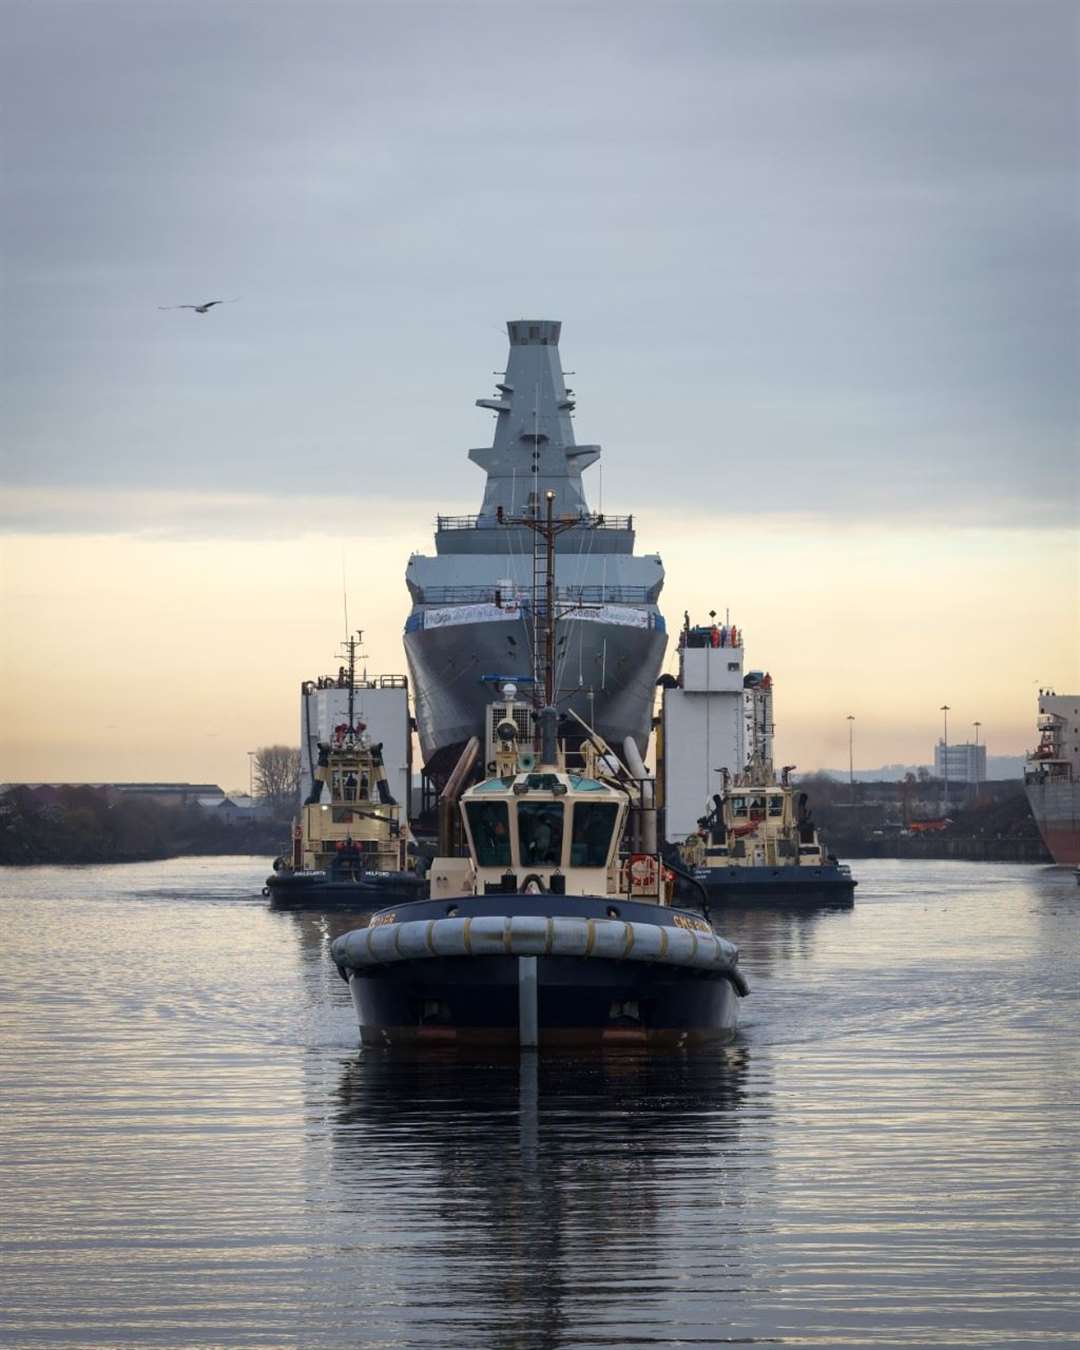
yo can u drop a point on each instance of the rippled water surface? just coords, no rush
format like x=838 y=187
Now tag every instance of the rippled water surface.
x=196 y=1154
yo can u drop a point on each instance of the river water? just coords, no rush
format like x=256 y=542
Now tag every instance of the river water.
x=196 y=1154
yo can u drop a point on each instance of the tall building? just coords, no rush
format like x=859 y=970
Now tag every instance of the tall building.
x=961 y=763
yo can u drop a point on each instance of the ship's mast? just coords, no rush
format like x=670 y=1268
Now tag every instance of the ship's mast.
x=349 y=654
x=547 y=530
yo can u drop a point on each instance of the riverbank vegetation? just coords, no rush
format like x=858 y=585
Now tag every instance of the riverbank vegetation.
x=988 y=823
x=90 y=825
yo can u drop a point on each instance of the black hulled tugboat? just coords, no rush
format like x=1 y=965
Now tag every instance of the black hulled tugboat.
x=542 y=935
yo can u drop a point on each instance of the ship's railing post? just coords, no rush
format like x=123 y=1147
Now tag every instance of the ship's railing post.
x=528 y=1011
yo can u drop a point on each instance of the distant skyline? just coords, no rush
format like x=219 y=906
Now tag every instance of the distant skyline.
x=816 y=267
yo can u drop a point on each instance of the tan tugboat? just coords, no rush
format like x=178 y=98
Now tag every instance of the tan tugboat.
x=350 y=840
x=760 y=841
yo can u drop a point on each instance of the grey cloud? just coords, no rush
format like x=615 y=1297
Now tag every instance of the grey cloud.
x=810 y=256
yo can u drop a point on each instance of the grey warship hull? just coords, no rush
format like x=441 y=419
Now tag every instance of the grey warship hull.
x=609 y=678
x=475 y=617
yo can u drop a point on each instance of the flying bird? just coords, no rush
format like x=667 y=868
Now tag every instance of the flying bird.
x=201 y=309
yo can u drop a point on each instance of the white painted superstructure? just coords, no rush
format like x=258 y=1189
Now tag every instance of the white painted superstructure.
x=715 y=718
x=382 y=704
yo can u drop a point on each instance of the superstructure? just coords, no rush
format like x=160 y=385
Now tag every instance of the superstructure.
x=1052 y=776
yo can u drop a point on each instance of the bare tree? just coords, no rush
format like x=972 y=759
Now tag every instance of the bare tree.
x=277 y=777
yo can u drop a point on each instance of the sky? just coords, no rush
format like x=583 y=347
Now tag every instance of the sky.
x=817 y=272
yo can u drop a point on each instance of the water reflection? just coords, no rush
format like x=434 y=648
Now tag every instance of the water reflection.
x=195 y=1153
x=542 y=1194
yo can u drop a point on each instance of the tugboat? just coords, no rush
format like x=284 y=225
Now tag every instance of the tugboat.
x=543 y=935
x=756 y=839
x=760 y=841
x=349 y=843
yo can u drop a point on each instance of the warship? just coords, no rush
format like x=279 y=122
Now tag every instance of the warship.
x=478 y=603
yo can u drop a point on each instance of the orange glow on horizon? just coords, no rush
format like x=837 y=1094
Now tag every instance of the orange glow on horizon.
x=135 y=658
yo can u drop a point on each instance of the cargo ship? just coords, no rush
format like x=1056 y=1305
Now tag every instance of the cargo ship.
x=1052 y=776
x=477 y=606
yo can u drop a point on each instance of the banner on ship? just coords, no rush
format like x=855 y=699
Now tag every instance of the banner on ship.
x=618 y=614
x=455 y=614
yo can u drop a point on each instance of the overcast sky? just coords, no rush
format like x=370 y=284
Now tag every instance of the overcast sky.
x=815 y=262
x=806 y=255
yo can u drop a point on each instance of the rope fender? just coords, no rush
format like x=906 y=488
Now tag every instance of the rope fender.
x=539 y=935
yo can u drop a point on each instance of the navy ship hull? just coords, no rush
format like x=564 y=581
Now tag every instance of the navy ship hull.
x=609 y=673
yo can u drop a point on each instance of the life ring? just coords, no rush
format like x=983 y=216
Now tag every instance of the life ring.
x=644 y=872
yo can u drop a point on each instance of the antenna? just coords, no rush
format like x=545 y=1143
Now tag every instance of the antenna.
x=345 y=600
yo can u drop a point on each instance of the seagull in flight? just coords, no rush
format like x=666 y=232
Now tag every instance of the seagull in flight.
x=201 y=309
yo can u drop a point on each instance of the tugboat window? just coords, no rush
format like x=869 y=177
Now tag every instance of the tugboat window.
x=540 y=831
x=738 y=806
x=590 y=840
x=489 y=824
x=776 y=805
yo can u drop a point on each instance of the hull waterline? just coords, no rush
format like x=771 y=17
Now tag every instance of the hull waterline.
x=299 y=890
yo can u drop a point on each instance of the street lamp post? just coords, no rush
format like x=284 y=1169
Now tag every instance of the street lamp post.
x=251 y=774
x=945 y=761
x=976 y=725
x=851 y=756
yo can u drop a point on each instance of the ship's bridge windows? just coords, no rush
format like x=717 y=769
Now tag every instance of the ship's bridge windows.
x=347 y=785
x=591 y=835
x=776 y=804
x=585 y=784
x=757 y=808
x=489 y=825
x=540 y=833
x=738 y=806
